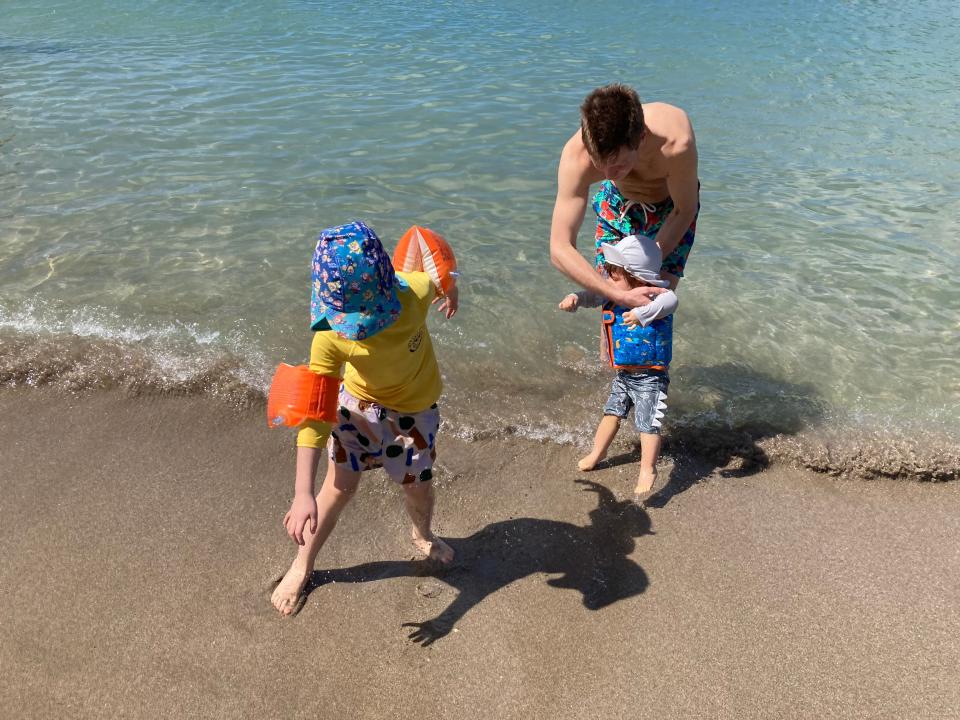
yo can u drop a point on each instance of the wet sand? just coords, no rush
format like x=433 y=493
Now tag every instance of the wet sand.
x=140 y=538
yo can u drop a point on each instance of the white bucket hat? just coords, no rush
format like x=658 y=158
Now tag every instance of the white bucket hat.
x=639 y=255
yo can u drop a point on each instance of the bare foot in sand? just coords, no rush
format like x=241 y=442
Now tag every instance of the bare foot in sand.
x=286 y=598
x=645 y=482
x=589 y=462
x=434 y=548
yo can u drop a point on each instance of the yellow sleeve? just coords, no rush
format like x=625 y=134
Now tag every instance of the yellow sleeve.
x=326 y=358
x=423 y=288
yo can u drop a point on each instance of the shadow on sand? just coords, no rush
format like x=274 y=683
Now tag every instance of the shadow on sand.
x=591 y=559
x=734 y=409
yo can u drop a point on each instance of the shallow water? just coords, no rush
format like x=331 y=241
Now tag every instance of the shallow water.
x=166 y=168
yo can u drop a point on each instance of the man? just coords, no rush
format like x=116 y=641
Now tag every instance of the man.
x=645 y=156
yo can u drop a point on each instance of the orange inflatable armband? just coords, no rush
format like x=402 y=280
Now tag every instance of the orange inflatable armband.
x=297 y=394
x=422 y=250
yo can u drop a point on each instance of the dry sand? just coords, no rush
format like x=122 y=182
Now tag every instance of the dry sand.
x=139 y=538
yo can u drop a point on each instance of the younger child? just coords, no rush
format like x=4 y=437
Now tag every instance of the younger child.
x=370 y=322
x=639 y=345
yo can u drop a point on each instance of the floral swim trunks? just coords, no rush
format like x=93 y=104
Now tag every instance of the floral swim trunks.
x=618 y=217
x=368 y=436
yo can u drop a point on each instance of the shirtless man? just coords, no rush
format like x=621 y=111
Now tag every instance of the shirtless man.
x=645 y=157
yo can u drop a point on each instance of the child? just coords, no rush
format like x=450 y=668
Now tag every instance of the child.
x=372 y=322
x=641 y=356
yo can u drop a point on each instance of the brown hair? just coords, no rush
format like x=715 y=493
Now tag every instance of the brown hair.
x=611 y=118
x=610 y=268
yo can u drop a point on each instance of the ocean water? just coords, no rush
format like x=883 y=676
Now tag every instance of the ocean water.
x=165 y=168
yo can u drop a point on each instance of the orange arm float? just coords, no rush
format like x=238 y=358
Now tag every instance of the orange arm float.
x=422 y=250
x=297 y=395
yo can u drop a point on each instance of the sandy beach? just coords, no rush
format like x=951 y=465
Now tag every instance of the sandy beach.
x=138 y=565
x=167 y=170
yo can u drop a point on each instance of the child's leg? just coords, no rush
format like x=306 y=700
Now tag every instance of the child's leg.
x=606 y=432
x=649 y=452
x=408 y=457
x=339 y=487
x=418 y=498
x=648 y=390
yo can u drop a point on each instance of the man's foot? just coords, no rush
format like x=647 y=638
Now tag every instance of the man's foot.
x=645 y=483
x=288 y=596
x=434 y=548
x=589 y=462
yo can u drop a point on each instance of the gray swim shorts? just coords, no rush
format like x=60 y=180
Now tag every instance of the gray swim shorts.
x=367 y=435
x=645 y=391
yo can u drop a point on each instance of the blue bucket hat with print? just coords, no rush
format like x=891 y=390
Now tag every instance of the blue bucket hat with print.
x=354 y=285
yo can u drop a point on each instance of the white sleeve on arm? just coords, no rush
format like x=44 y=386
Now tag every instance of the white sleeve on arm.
x=586 y=298
x=662 y=305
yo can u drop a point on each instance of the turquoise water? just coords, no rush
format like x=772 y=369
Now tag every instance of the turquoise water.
x=165 y=168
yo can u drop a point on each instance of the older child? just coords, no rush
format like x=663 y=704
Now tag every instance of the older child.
x=639 y=345
x=371 y=323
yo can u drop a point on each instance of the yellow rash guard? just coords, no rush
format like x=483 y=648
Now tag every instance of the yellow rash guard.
x=395 y=368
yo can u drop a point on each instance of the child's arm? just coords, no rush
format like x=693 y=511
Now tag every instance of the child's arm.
x=584 y=298
x=449 y=303
x=304 y=505
x=326 y=358
x=662 y=305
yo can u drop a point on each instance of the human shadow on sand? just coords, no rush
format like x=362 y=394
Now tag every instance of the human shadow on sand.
x=735 y=409
x=591 y=559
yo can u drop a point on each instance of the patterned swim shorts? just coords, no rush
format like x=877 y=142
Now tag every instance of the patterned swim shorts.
x=618 y=217
x=368 y=436
x=646 y=392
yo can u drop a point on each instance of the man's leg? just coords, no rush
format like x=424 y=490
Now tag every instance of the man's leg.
x=339 y=487
x=606 y=432
x=418 y=499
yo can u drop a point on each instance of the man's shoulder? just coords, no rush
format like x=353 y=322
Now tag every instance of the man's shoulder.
x=664 y=111
x=673 y=125
x=575 y=162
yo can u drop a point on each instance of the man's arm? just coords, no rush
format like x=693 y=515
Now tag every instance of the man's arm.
x=684 y=188
x=573 y=186
x=569 y=209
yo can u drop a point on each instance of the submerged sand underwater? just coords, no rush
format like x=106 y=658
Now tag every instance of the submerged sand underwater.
x=138 y=560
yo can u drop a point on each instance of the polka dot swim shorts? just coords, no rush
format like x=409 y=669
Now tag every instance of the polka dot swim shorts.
x=367 y=436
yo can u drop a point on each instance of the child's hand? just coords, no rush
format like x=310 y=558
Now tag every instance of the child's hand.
x=302 y=509
x=630 y=320
x=449 y=303
x=569 y=303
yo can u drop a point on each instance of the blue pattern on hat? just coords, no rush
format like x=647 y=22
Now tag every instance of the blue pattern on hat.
x=354 y=284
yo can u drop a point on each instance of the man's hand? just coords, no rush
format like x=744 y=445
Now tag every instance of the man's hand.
x=449 y=303
x=569 y=303
x=638 y=296
x=302 y=509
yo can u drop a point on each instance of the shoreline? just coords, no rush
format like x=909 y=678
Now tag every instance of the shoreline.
x=139 y=559
x=793 y=430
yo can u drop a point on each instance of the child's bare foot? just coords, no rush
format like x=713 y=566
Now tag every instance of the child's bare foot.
x=287 y=598
x=645 y=483
x=433 y=547
x=589 y=462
